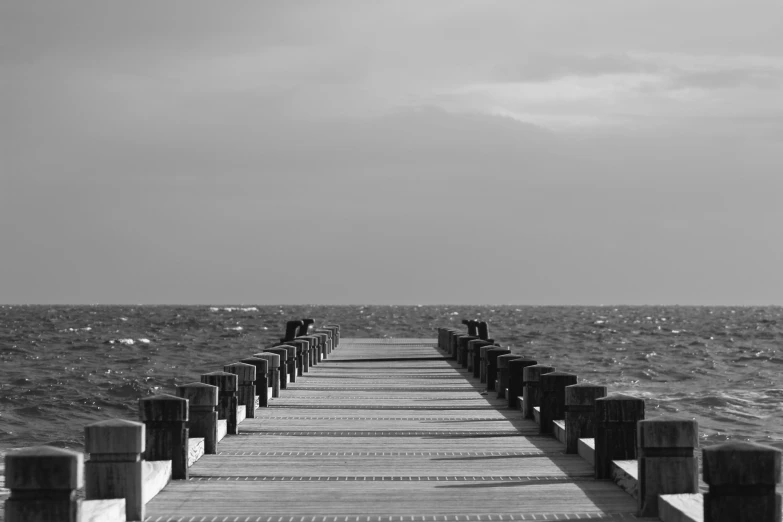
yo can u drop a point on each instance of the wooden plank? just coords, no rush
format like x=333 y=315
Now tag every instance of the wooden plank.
x=388 y=497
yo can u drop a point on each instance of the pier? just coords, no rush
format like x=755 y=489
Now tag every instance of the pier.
x=453 y=428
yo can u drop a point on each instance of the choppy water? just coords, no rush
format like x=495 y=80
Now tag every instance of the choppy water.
x=66 y=366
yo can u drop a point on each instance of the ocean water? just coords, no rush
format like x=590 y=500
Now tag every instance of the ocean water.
x=62 y=367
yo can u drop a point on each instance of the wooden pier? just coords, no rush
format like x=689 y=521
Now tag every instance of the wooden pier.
x=323 y=429
x=388 y=430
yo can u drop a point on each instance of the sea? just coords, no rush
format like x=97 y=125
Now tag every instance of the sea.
x=62 y=367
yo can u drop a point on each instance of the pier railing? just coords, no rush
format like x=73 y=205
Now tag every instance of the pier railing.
x=126 y=463
x=653 y=459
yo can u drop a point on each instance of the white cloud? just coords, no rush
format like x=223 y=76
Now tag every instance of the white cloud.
x=656 y=89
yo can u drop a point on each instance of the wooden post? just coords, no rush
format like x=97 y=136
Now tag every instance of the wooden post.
x=283 y=354
x=473 y=347
x=514 y=389
x=462 y=356
x=553 y=386
x=227 y=397
x=302 y=355
x=474 y=355
x=336 y=338
x=501 y=364
x=202 y=412
x=290 y=361
x=329 y=341
x=580 y=413
x=742 y=477
x=305 y=345
x=43 y=481
x=453 y=343
x=483 y=361
x=165 y=419
x=323 y=340
x=457 y=341
x=262 y=382
x=666 y=463
x=115 y=467
x=246 y=385
x=531 y=391
x=616 y=416
x=308 y=350
x=315 y=351
x=273 y=377
x=492 y=368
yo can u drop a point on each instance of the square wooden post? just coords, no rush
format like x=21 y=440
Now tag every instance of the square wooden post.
x=202 y=412
x=580 y=413
x=115 y=467
x=666 y=463
x=227 y=397
x=616 y=417
x=246 y=386
x=553 y=385
x=531 y=391
x=165 y=419
x=742 y=477
x=43 y=481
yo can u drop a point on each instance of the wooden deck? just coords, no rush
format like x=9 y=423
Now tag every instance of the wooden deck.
x=388 y=430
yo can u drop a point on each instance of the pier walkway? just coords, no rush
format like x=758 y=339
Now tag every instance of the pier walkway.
x=389 y=430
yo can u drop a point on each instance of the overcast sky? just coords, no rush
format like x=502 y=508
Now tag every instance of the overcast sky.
x=601 y=152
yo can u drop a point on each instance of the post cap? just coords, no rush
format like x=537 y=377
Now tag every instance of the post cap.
x=741 y=464
x=484 y=349
x=619 y=407
x=225 y=381
x=163 y=408
x=583 y=394
x=282 y=352
x=114 y=436
x=44 y=467
x=262 y=365
x=272 y=358
x=198 y=394
x=245 y=372
x=503 y=360
x=552 y=381
x=668 y=432
x=557 y=373
x=522 y=361
x=291 y=350
x=497 y=351
x=534 y=373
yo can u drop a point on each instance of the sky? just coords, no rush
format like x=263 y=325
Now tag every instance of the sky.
x=391 y=152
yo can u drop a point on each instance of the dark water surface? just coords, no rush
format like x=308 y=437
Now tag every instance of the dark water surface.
x=62 y=367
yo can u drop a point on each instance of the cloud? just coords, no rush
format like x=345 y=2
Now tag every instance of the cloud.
x=629 y=92
x=552 y=66
x=730 y=79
